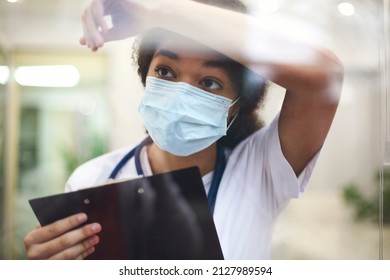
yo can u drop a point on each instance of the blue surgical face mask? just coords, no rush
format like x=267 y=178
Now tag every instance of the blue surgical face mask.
x=183 y=119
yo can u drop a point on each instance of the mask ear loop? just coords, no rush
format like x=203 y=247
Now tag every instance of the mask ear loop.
x=235 y=117
x=231 y=122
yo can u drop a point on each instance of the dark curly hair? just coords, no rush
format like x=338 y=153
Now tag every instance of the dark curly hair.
x=250 y=86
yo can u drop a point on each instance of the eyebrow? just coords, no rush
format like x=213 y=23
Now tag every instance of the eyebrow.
x=167 y=53
x=222 y=64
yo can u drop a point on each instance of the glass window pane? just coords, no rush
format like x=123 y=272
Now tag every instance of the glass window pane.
x=59 y=129
x=338 y=216
x=2 y=180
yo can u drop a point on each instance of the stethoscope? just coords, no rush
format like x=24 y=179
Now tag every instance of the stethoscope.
x=217 y=176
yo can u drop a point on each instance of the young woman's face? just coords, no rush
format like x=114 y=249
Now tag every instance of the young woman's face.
x=178 y=59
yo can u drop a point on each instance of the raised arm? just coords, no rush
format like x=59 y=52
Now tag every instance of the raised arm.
x=311 y=74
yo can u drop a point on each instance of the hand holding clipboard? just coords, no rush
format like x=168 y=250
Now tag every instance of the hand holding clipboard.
x=165 y=216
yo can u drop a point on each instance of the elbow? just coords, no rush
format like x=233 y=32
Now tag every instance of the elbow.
x=335 y=79
x=331 y=77
x=331 y=63
x=336 y=69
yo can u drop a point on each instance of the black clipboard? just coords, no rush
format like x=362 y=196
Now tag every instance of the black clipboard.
x=165 y=216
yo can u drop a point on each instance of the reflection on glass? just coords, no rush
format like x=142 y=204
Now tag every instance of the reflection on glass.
x=384 y=187
x=337 y=218
x=4 y=73
x=322 y=224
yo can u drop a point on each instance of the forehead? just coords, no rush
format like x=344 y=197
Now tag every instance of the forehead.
x=187 y=48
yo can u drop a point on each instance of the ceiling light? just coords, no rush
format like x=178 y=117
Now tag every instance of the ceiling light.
x=47 y=76
x=346 y=9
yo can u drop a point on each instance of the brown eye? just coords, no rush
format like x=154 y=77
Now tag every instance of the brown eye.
x=211 y=84
x=164 y=72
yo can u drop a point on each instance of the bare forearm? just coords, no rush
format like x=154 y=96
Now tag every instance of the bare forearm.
x=297 y=65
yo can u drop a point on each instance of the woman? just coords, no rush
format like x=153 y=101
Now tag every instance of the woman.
x=205 y=78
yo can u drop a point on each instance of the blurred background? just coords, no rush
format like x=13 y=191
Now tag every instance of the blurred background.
x=61 y=104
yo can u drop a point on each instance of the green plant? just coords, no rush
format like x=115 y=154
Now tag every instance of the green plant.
x=74 y=157
x=367 y=208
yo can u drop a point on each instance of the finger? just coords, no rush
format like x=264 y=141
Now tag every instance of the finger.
x=63 y=243
x=82 y=41
x=86 y=253
x=92 y=35
x=70 y=239
x=85 y=38
x=98 y=15
x=87 y=29
x=55 y=229
x=78 y=251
